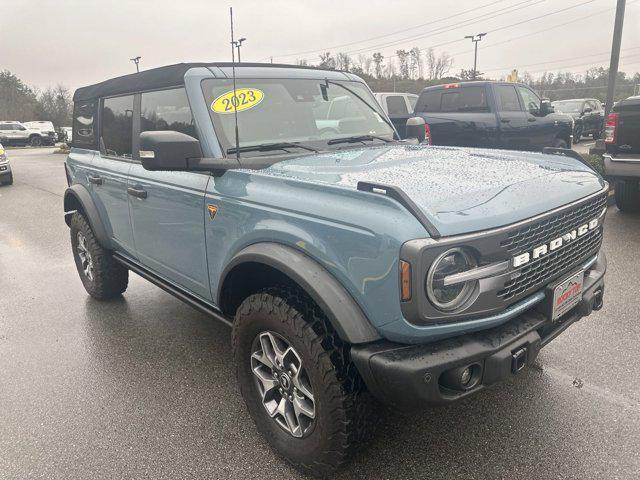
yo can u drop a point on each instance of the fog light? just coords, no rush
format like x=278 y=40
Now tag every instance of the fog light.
x=465 y=377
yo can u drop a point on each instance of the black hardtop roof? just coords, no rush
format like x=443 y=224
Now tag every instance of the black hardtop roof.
x=163 y=77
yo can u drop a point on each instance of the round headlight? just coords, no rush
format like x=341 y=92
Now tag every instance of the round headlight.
x=450 y=297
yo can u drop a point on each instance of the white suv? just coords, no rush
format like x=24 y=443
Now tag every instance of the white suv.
x=45 y=129
x=16 y=133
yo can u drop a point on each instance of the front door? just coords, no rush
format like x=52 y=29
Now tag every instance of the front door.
x=167 y=208
x=513 y=123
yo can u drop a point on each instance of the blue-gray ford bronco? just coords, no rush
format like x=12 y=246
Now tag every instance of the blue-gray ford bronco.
x=351 y=266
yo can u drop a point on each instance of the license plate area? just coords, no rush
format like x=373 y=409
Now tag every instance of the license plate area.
x=565 y=294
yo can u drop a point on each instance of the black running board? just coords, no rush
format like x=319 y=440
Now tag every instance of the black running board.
x=177 y=292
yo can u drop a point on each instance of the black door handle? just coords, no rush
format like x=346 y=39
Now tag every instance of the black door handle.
x=505 y=120
x=531 y=119
x=137 y=192
x=95 y=180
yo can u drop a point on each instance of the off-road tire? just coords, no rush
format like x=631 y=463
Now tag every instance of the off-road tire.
x=110 y=278
x=560 y=143
x=627 y=196
x=343 y=421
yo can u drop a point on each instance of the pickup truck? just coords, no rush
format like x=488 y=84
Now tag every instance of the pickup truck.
x=622 y=160
x=492 y=115
x=399 y=108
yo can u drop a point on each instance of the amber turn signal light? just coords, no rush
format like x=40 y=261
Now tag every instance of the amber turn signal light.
x=405 y=280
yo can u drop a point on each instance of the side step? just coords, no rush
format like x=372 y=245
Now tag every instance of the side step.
x=173 y=290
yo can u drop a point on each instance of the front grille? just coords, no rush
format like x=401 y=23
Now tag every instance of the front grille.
x=525 y=239
x=547 y=268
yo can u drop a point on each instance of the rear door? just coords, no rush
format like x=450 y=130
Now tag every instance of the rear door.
x=512 y=118
x=167 y=208
x=398 y=111
x=459 y=115
x=107 y=175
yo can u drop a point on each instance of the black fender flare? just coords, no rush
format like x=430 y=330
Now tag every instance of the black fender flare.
x=78 y=194
x=344 y=313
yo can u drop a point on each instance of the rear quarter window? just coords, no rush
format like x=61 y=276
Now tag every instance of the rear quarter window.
x=85 y=134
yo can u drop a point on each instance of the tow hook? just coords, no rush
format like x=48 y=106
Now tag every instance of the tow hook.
x=518 y=359
x=598 y=299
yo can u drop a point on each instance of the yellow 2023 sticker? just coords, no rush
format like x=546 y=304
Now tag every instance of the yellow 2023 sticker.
x=244 y=99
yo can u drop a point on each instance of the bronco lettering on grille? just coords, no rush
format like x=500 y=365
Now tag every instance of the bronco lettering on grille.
x=554 y=244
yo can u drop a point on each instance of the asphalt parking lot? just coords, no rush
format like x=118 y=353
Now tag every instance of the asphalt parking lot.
x=143 y=386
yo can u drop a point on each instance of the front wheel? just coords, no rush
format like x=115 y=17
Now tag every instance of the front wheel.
x=298 y=382
x=560 y=143
x=103 y=278
x=577 y=134
x=35 y=141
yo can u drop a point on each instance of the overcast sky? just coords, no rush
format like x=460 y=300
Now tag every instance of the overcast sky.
x=79 y=42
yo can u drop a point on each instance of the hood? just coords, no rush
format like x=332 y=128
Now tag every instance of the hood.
x=460 y=190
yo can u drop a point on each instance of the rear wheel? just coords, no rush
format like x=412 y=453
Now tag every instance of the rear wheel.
x=103 y=278
x=298 y=382
x=627 y=196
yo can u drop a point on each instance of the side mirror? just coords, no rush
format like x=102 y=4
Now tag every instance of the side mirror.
x=168 y=150
x=416 y=128
x=545 y=107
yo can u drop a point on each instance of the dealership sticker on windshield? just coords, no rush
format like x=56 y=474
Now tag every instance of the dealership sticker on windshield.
x=244 y=99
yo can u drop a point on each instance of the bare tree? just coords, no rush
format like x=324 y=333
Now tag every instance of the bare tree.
x=403 y=61
x=327 y=61
x=415 y=63
x=302 y=62
x=343 y=61
x=377 y=59
x=365 y=63
x=438 y=67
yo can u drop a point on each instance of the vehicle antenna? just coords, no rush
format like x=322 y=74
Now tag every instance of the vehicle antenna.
x=234 y=99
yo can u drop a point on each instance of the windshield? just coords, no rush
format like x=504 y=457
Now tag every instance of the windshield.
x=294 y=111
x=568 y=107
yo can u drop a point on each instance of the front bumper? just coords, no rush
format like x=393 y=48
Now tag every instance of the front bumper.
x=413 y=376
x=622 y=166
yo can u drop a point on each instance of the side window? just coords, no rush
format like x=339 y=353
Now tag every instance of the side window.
x=467 y=99
x=508 y=98
x=396 y=105
x=413 y=99
x=429 y=101
x=116 y=123
x=19 y=127
x=167 y=110
x=530 y=99
x=84 y=133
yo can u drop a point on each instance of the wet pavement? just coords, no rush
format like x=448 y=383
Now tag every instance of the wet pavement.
x=143 y=386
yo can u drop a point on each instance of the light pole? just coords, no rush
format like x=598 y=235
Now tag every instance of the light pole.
x=238 y=44
x=475 y=39
x=615 y=55
x=136 y=60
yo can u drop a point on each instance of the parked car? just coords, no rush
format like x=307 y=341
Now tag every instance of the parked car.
x=492 y=115
x=65 y=134
x=622 y=160
x=587 y=113
x=399 y=107
x=348 y=263
x=6 y=176
x=16 y=133
x=45 y=129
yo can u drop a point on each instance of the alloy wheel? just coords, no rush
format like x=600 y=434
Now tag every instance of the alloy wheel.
x=85 y=256
x=283 y=384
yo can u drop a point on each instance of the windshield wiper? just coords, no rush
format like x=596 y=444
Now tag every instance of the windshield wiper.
x=266 y=147
x=358 y=138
